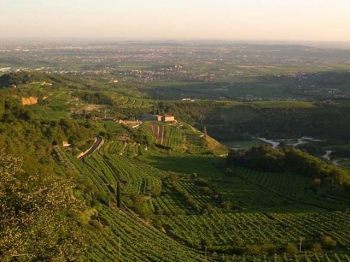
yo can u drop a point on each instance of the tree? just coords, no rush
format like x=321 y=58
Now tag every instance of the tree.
x=119 y=201
x=34 y=222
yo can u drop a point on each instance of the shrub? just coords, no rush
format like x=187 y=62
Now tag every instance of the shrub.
x=291 y=249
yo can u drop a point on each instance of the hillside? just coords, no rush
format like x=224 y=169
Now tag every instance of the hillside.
x=182 y=198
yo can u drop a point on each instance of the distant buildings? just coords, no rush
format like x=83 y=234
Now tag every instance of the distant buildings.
x=150 y=117
x=188 y=99
x=134 y=122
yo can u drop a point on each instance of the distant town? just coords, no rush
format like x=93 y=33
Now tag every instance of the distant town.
x=224 y=71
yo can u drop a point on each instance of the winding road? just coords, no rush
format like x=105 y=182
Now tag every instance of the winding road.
x=98 y=143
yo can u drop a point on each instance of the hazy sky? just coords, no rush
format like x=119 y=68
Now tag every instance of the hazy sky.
x=294 y=20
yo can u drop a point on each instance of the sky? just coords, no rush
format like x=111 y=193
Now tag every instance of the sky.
x=261 y=20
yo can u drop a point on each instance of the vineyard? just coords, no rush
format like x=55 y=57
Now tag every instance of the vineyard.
x=165 y=191
x=277 y=229
x=138 y=241
x=107 y=226
x=192 y=211
x=294 y=187
x=179 y=137
x=125 y=101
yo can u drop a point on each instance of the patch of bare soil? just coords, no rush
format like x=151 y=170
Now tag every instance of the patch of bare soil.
x=29 y=101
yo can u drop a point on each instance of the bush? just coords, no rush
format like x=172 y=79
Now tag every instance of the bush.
x=291 y=249
x=316 y=248
x=328 y=242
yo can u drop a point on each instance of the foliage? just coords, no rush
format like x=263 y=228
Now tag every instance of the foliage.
x=7 y=80
x=37 y=222
x=291 y=249
x=328 y=122
x=329 y=242
x=95 y=98
x=316 y=248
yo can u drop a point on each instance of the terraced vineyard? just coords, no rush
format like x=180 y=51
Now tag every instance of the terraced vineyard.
x=173 y=198
x=125 y=102
x=178 y=137
x=266 y=211
x=293 y=186
x=166 y=135
x=259 y=228
x=138 y=240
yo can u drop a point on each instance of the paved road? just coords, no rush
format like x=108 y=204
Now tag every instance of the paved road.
x=92 y=149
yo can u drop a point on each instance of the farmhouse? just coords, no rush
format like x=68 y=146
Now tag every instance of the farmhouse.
x=168 y=118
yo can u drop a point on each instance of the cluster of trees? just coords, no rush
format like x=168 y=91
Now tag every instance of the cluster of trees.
x=11 y=110
x=67 y=129
x=95 y=98
x=38 y=215
x=19 y=78
x=33 y=140
x=265 y=158
x=329 y=122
